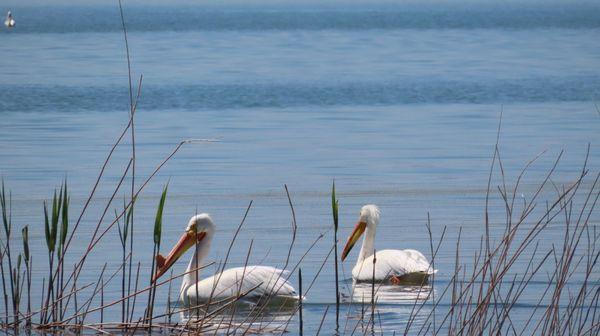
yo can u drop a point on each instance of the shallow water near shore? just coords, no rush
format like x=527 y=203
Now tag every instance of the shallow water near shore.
x=400 y=106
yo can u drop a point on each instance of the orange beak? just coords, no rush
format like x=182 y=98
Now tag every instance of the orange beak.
x=358 y=231
x=187 y=240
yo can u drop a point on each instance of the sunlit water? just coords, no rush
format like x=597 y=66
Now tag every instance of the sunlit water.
x=400 y=105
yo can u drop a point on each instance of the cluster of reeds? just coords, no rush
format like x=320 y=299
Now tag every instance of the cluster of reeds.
x=55 y=242
x=483 y=294
x=480 y=296
x=486 y=288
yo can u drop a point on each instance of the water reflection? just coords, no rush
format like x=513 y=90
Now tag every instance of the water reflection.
x=388 y=294
x=395 y=307
x=241 y=317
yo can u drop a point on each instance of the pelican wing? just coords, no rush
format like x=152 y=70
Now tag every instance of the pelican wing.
x=257 y=281
x=392 y=262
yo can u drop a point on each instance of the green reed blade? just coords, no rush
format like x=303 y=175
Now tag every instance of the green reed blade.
x=159 y=214
x=47 y=229
x=25 y=234
x=128 y=218
x=65 y=216
x=56 y=205
x=334 y=207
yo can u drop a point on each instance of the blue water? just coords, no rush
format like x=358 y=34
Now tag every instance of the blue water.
x=398 y=103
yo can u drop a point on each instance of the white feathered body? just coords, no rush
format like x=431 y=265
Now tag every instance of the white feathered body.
x=392 y=263
x=259 y=282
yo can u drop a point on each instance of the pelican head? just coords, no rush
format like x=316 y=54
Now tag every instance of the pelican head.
x=198 y=228
x=368 y=218
x=201 y=223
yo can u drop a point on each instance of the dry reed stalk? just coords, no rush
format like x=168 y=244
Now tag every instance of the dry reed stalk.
x=322 y=320
x=300 y=320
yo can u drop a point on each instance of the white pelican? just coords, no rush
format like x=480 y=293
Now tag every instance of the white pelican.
x=395 y=266
x=264 y=284
x=9 y=22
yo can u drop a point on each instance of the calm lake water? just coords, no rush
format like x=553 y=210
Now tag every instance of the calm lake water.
x=399 y=104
